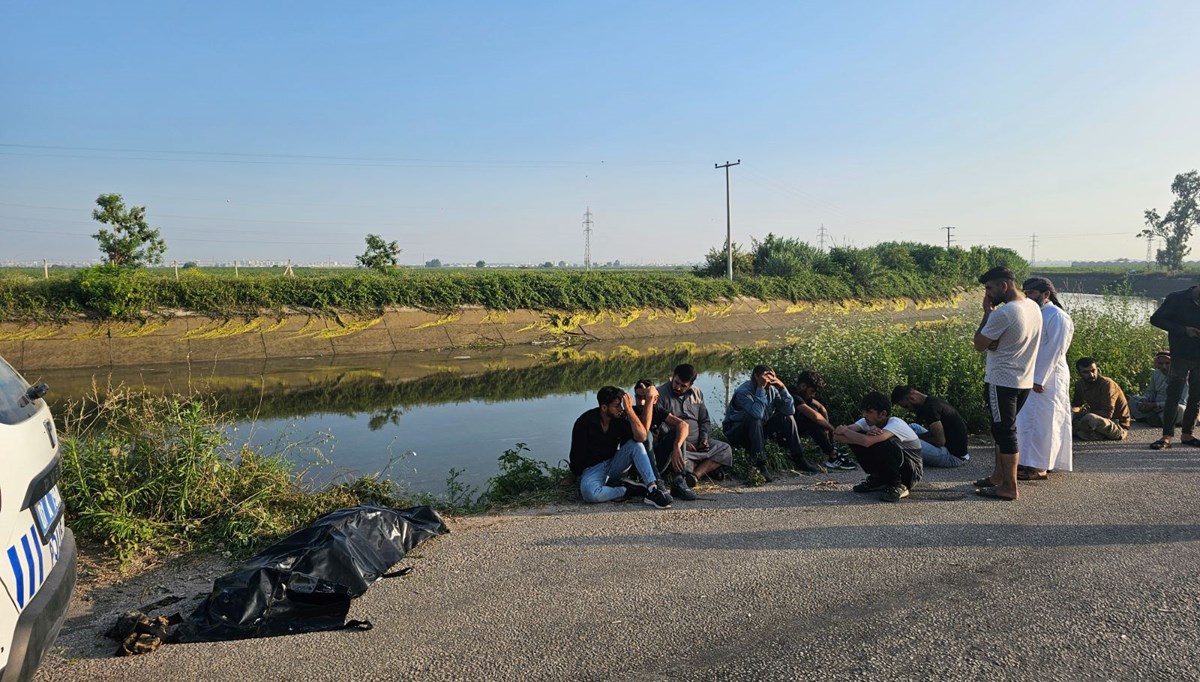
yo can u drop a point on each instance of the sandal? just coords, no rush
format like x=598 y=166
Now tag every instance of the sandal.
x=1193 y=442
x=992 y=494
x=1161 y=444
x=1032 y=474
x=984 y=483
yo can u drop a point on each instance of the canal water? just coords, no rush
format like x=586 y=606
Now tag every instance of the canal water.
x=419 y=415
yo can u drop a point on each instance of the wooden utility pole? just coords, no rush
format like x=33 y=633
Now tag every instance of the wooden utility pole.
x=728 y=224
x=948 y=229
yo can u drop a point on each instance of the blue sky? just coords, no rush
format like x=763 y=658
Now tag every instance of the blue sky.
x=470 y=131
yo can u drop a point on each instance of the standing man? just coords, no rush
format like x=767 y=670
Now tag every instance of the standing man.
x=605 y=441
x=1179 y=315
x=1101 y=411
x=1044 y=425
x=702 y=455
x=1009 y=334
x=762 y=408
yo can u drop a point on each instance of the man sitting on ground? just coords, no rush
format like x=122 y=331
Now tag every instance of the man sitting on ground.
x=942 y=430
x=702 y=455
x=605 y=441
x=812 y=419
x=1151 y=406
x=762 y=408
x=1101 y=412
x=655 y=417
x=886 y=448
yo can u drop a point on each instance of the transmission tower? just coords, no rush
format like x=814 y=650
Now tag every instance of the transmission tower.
x=587 y=239
x=1149 y=249
x=1032 y=248
x=822 y=235
x=948 y=229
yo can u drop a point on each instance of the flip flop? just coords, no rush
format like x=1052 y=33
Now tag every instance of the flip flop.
x=992 y=494
x=1161 y=444
x=984 y=483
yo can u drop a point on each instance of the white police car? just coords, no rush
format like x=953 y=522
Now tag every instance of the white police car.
x=37 y=550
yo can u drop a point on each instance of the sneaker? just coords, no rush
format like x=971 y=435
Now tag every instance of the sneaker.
x=680 y=489
x=869 y=485
x=657 y=498
x=633 y=489
x=895 y=493
x=841 y=462
x=806 y=467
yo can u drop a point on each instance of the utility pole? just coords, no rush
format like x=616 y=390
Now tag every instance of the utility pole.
x=1149 y=248
x=1032 y=248
x=728 y=228
x=587 y=240
x=948 y=229
x=822 y=234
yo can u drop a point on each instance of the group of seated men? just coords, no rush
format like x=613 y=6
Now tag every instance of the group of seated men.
x=609 y=441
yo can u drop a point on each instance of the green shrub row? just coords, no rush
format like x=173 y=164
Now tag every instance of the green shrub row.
x=107 y=292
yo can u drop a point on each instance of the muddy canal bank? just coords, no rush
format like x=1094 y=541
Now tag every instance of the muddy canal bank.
x=186 y=338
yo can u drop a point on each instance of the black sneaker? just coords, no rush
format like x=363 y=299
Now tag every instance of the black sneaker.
x=894 y=493
x=657 y=498
x=806 y=467
x=633 y=489
x=841 y=462
x=869 y=485
x=680 y=489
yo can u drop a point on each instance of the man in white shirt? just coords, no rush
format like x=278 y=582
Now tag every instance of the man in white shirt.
x=886 y=448
x=1009 y=333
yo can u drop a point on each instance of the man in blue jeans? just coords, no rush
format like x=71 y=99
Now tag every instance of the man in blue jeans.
x=942 y=430
x=605 y=441
x=762 y=408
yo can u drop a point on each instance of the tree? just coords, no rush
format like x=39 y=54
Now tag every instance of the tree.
x=480 y=264
x=380 y=255
x=131 y=242
x=1175 y=228
x=434 y=263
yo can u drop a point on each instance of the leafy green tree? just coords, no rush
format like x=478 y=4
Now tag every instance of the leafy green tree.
x=433 y=263
x=1176 y=227
x=131 y=242
x=480 y=264
x=715 y=265
x=380 y=255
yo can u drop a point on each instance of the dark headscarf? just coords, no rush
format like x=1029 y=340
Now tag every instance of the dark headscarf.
x=1045 y=286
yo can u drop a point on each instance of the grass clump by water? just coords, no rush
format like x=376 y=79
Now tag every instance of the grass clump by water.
x=940 y=359
x=146 y=474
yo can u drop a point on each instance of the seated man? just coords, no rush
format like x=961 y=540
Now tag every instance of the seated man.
x=1099 y=406
x=654 y=416
x=701 y=454
x=886 y=448
x=812 y=419
x=762 y=408
x=605 y=441
x=1150 y=406
x=942 y=430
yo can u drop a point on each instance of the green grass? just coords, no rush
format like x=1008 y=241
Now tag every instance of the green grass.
x=939 y=358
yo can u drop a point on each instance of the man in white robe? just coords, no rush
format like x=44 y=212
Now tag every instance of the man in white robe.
x=1044 y=425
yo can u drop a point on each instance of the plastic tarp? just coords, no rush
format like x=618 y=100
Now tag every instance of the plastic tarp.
x=305 y=582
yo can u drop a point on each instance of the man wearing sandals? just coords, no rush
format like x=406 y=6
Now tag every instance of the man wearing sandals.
x=1179 y=316
x=1009 y=333
x=1101 y=411
x=1044 y=424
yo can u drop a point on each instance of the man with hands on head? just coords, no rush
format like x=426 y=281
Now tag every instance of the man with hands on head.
x=605 y=441
x=763 y=408
x=673 y=434
x=702 y=455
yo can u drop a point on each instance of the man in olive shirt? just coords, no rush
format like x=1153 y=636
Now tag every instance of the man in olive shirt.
x=1101 y=411
x=940 y=427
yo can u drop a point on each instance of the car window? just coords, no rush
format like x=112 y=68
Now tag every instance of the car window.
x=13 y=408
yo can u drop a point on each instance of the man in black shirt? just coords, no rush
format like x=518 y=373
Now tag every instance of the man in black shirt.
x=605 y=441
x=1179 y=315
x=940 y=427
x=812 y=419
x=672 y=433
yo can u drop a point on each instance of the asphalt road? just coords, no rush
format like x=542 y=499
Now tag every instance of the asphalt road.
x=1090 y=575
